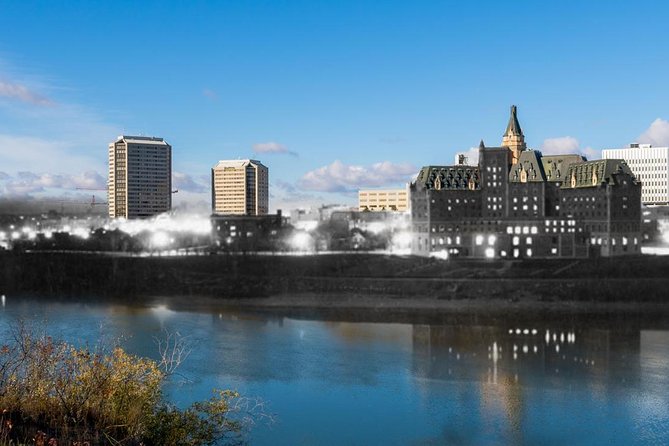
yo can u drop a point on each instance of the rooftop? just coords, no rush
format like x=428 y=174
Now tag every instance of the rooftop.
x=142 y=140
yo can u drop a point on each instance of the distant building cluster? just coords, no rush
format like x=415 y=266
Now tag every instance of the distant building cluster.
x=514 y=203
x=517 y=203
x=140 y=181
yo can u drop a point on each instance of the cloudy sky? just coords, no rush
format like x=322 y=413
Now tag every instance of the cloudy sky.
x=332 y=96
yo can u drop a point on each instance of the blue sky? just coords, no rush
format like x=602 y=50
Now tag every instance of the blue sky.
x=333 y=96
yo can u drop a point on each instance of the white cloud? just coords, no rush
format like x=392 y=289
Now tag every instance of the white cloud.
x=22 y=93
x=272 y=147
x=38 y=154
x=657 y=134
x=567 y=145
x=340 y=177
x=67 y=137
x=472 y=156
x=287 y=197
x=590 y=153
x=184 y=182
x=28 y=183
x=192 y=202
x=563 y=145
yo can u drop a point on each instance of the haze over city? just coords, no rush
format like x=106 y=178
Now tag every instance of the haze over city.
x=332 y=97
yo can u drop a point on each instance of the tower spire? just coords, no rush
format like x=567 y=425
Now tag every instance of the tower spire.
x=513 y=138
x=514 y=126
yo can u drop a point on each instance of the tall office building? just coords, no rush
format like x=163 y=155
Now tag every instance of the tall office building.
x=240 y=187
x=140 y=177
x=650 y=165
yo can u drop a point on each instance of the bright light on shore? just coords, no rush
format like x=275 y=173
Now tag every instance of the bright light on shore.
x=401 y=241
x=194 y=224
x=302 y=241
x=160 y=239
x=81 y=233
x=306 y=225
x=443 y=254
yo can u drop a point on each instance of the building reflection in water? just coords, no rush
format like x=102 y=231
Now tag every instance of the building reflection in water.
x=504 y=361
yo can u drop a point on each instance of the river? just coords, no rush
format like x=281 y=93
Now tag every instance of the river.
x=596 y=380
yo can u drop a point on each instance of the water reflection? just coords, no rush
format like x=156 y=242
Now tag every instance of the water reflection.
x=411 y=379
x=462 y=352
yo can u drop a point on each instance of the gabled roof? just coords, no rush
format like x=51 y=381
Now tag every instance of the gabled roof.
x=513 y=126
x=556 y=166
x=528 y=169
x=449 y=178
x=594 y=173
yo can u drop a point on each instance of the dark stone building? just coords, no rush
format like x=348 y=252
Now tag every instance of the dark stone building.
x=517 y=203
x=248 y=233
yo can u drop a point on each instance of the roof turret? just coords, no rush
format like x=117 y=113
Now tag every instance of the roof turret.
x=514 y=126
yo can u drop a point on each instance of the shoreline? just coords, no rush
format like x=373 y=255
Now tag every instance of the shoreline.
x=353 y=308
x=339 y=283
x=335 y=301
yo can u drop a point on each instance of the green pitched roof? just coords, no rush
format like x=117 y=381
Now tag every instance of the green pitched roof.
x=594 y=173
x=449 y=178
x=528 y=168
x=557 y=166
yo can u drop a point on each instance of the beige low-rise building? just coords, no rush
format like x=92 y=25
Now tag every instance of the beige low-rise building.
x=240 y=187
x=140 y=177
x=383 y=200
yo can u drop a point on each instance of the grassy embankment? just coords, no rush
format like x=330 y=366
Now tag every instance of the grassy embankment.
x=639 y=279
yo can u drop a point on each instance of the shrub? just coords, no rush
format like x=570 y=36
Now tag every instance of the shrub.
x=52 y=392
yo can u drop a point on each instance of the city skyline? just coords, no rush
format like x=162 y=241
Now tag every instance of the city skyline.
x=333 y=97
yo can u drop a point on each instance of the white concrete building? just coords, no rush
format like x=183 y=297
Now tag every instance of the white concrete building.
x=650 y=165
x=240 y=187
x=140 y=177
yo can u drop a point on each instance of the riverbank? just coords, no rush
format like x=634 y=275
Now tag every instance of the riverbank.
x=339 y=280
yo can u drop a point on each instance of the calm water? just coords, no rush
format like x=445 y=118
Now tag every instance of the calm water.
x=478 y=381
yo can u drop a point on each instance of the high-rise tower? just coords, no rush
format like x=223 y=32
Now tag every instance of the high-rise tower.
x=140 y=177
x=513 y=138
x=240 y=187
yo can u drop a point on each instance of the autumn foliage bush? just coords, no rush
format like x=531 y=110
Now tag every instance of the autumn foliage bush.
x=53 y=393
